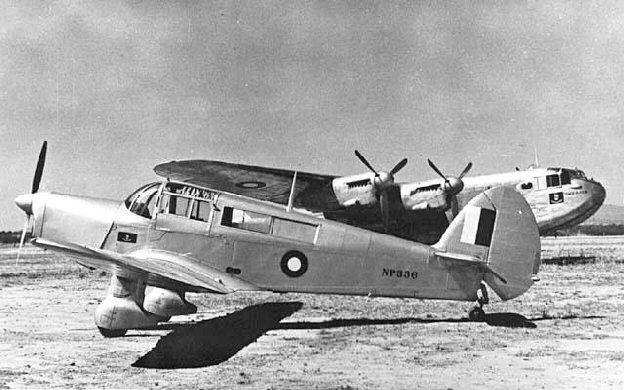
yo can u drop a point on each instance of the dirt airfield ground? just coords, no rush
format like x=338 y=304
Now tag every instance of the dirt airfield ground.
x=567 y=332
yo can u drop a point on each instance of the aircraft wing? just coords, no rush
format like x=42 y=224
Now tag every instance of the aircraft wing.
x=313 y=191
x=161 y=268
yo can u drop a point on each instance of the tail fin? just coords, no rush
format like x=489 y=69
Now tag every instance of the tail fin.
x=496 y=231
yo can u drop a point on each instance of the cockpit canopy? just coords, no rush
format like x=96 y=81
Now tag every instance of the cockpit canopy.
x=171 y=198
x=555 y=177
x=143 y=200
x=571 y=173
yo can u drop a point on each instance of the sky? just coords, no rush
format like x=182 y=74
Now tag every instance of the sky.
x=117 y=87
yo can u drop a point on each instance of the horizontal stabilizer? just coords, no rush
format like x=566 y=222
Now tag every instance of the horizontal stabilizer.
x=469 y=260
x=460 y=257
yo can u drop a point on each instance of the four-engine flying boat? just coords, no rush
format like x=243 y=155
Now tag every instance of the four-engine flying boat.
x=420 y=211
x=169 y=238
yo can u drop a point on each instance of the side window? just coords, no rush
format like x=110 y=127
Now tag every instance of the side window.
x=294 y=230
x=200 y=210
x=246 y=220
x=552 y=181
x=172 y=204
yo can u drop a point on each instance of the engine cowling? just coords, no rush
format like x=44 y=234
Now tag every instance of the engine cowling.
x=425 y=196
x=355 y=190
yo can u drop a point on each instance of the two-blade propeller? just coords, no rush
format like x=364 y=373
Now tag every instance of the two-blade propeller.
x=25 y=201
x=452 y=185
x=382 y=183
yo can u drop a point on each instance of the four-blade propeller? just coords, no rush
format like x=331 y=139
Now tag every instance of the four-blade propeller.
x=25 y=201
x=382 y=183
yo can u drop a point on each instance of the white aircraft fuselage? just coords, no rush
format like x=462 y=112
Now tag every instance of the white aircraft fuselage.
x=560 y=198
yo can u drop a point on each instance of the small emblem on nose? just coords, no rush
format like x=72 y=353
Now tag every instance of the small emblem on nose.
x=557 y=197
x=127 y=237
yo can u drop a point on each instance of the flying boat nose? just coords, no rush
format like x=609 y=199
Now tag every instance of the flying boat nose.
x=599 y=194
x=25 y=202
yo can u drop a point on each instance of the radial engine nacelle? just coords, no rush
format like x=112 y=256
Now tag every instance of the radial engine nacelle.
x=355 y=190
x=429 y=195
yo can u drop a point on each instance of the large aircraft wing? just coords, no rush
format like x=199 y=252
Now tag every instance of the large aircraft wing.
x=159 y=268
x=312 y=192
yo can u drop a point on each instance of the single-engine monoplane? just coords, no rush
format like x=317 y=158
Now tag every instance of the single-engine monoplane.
x=419 y=211
x=169 y=238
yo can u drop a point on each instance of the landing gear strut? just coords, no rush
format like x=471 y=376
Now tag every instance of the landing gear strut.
x=477 y=314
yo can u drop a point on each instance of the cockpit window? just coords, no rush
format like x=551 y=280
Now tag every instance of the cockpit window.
x=142 y=201
x=553 y=181
x=578 y=174
x=569 y=173
x=565 y=177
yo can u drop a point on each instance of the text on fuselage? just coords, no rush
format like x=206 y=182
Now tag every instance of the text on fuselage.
x=398 y=273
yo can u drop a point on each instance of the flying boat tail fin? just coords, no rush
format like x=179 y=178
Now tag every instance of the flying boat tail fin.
x=497 y=232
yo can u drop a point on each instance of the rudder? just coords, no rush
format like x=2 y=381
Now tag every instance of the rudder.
x=496 y=230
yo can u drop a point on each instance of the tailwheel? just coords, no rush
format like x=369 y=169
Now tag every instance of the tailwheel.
x=484 y=298
x=476 y=314
x=108 y=333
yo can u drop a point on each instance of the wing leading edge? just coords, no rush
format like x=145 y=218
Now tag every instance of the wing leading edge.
x=160 y=268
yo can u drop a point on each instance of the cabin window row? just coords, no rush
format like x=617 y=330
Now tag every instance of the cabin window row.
x=267 y=224
x=555 y=180
x=195 y=209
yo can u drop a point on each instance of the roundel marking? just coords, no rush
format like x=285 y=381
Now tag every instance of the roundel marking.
x=250 y=185
x=294 y=264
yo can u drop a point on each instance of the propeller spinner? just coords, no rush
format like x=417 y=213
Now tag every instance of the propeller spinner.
x=381 y=183
x=24 y=202
x=452 y=185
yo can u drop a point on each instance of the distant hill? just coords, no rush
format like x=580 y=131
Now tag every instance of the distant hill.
x=608 y=221
x=608 y=214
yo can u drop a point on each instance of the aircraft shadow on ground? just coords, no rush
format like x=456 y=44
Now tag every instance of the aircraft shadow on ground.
x=213 y=341
x=509 y=320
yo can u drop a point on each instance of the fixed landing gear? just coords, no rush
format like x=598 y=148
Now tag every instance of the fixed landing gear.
x=477 y=314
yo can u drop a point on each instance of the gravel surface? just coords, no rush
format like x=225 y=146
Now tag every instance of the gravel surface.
x=566 y=332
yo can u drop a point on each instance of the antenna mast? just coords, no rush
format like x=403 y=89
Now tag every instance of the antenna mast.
x=291 y=198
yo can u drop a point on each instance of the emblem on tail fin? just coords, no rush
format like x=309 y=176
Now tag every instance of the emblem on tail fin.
x=478 y=226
